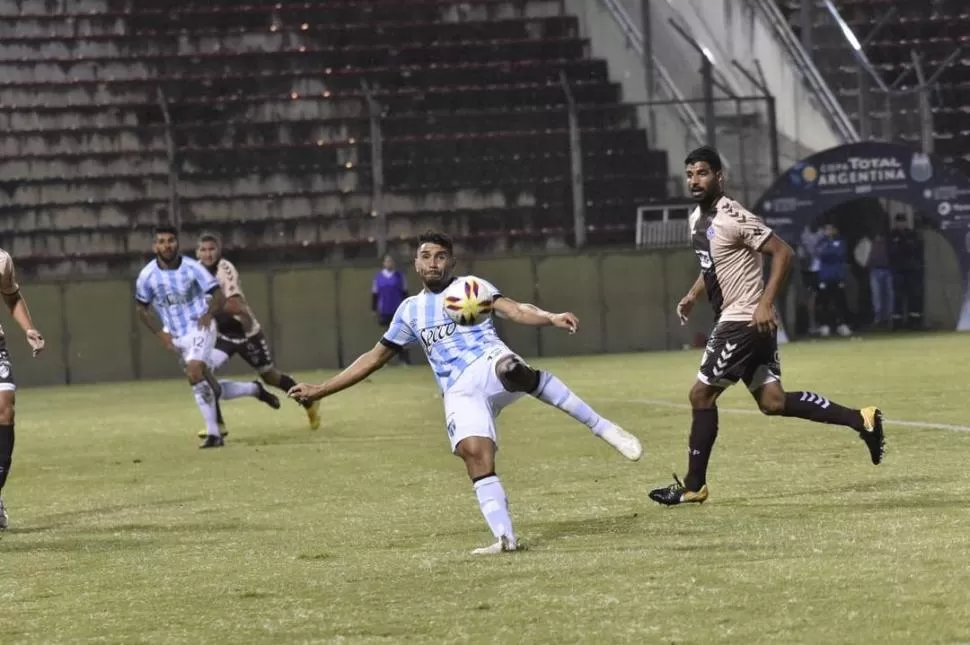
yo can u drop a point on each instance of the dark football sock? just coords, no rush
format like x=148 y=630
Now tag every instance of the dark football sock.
x=219 y=414
x=6 y=452
x=703 y=434
x=815 y=407
x=286 y=382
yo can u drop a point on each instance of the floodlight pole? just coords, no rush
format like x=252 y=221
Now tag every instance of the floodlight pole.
x=377 y=168
x=576 y=165
x=175 y=216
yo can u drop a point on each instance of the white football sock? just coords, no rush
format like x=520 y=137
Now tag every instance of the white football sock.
x=238 y=389
x=495 y=506
x=555 y=393
x=206 y=400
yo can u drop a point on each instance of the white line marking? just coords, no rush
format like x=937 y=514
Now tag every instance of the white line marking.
x=886 y=420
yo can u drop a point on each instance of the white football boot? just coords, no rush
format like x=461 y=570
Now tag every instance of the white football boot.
x=624 y=442
x=504 y=544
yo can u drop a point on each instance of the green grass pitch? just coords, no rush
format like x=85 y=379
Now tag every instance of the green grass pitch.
x=124 y=532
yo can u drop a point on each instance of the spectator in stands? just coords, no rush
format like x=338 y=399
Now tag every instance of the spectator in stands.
x=809 y=265
x=906 y=260
x=388 y=290
x=881 y=281
x=832 y=254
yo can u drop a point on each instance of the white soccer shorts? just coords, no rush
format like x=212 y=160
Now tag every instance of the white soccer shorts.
x=197 y=344
x=475 y=400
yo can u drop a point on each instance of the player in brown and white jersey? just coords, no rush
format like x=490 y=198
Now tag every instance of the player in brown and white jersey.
x=239 y=331
x=10 y=291
x=730 y=243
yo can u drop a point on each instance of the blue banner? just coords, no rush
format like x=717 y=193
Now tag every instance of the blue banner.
x=894 y=171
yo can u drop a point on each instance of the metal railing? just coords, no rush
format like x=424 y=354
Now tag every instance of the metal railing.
x=816 y=83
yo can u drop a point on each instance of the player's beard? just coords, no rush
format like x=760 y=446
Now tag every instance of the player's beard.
x=436 y=283
x=707 y=198
x=167 y=260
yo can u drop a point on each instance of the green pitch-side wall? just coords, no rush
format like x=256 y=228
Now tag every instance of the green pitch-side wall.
x=321 y=318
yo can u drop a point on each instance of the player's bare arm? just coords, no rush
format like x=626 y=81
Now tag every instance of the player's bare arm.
x=781 y=259
x=216 y=302
x=238 y=307
x=18 y=310
x=147 y=317
x=686 y=304
x=365 y=365
x=528 y=314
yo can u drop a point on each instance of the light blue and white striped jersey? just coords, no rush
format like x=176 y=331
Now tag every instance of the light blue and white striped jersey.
x=178 y=295
x=450 y=347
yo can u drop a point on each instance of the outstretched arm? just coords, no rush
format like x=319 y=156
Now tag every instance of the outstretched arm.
x=365 y=365
x=526 y=314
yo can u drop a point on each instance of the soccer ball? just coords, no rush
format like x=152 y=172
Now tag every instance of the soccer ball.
x=468 y=301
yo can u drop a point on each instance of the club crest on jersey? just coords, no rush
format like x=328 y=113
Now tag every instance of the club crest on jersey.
x=431 y=335
x=710 y=233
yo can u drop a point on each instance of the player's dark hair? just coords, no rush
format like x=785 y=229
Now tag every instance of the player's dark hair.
x=433 y=237
x=210 y=237
x=707 y=154
x=165 y=229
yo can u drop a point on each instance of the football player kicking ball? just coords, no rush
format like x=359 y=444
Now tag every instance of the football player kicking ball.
x=728 y=241
x=478 y=376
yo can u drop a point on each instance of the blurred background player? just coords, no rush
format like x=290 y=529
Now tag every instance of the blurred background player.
x=478 y=375
x=881 y=290
x=809 y=260
x=833 y=309
x=388 y=291
x=743 y=346
x=240 y=333
x=17 y=306
x=185 y=298
x=906 y=258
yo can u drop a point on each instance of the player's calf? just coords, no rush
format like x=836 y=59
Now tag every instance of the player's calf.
x=772 y=399
x=478 y=453
x=516 y=376
x=6 y=445
x=703 y=436
x=206 y=397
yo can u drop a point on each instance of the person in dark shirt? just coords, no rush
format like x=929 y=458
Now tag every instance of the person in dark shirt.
x=906 y=260
x=832 y=253
x=881 y=281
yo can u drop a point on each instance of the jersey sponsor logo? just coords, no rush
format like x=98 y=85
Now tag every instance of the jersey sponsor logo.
x=175 y=299
x=432 y=335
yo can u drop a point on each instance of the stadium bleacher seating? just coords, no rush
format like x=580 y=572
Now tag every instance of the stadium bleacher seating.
x=271 y=126
x=934 y=30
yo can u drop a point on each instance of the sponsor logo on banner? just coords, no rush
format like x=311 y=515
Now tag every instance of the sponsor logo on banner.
x=948 y=208
x=920 y=167
x=857 y=173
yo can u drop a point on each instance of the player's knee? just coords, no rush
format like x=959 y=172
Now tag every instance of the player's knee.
x=479 y=458
x=195 y=372
x=6 y=413
x=771 y=403
x=515 y=375
x=701 y=396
